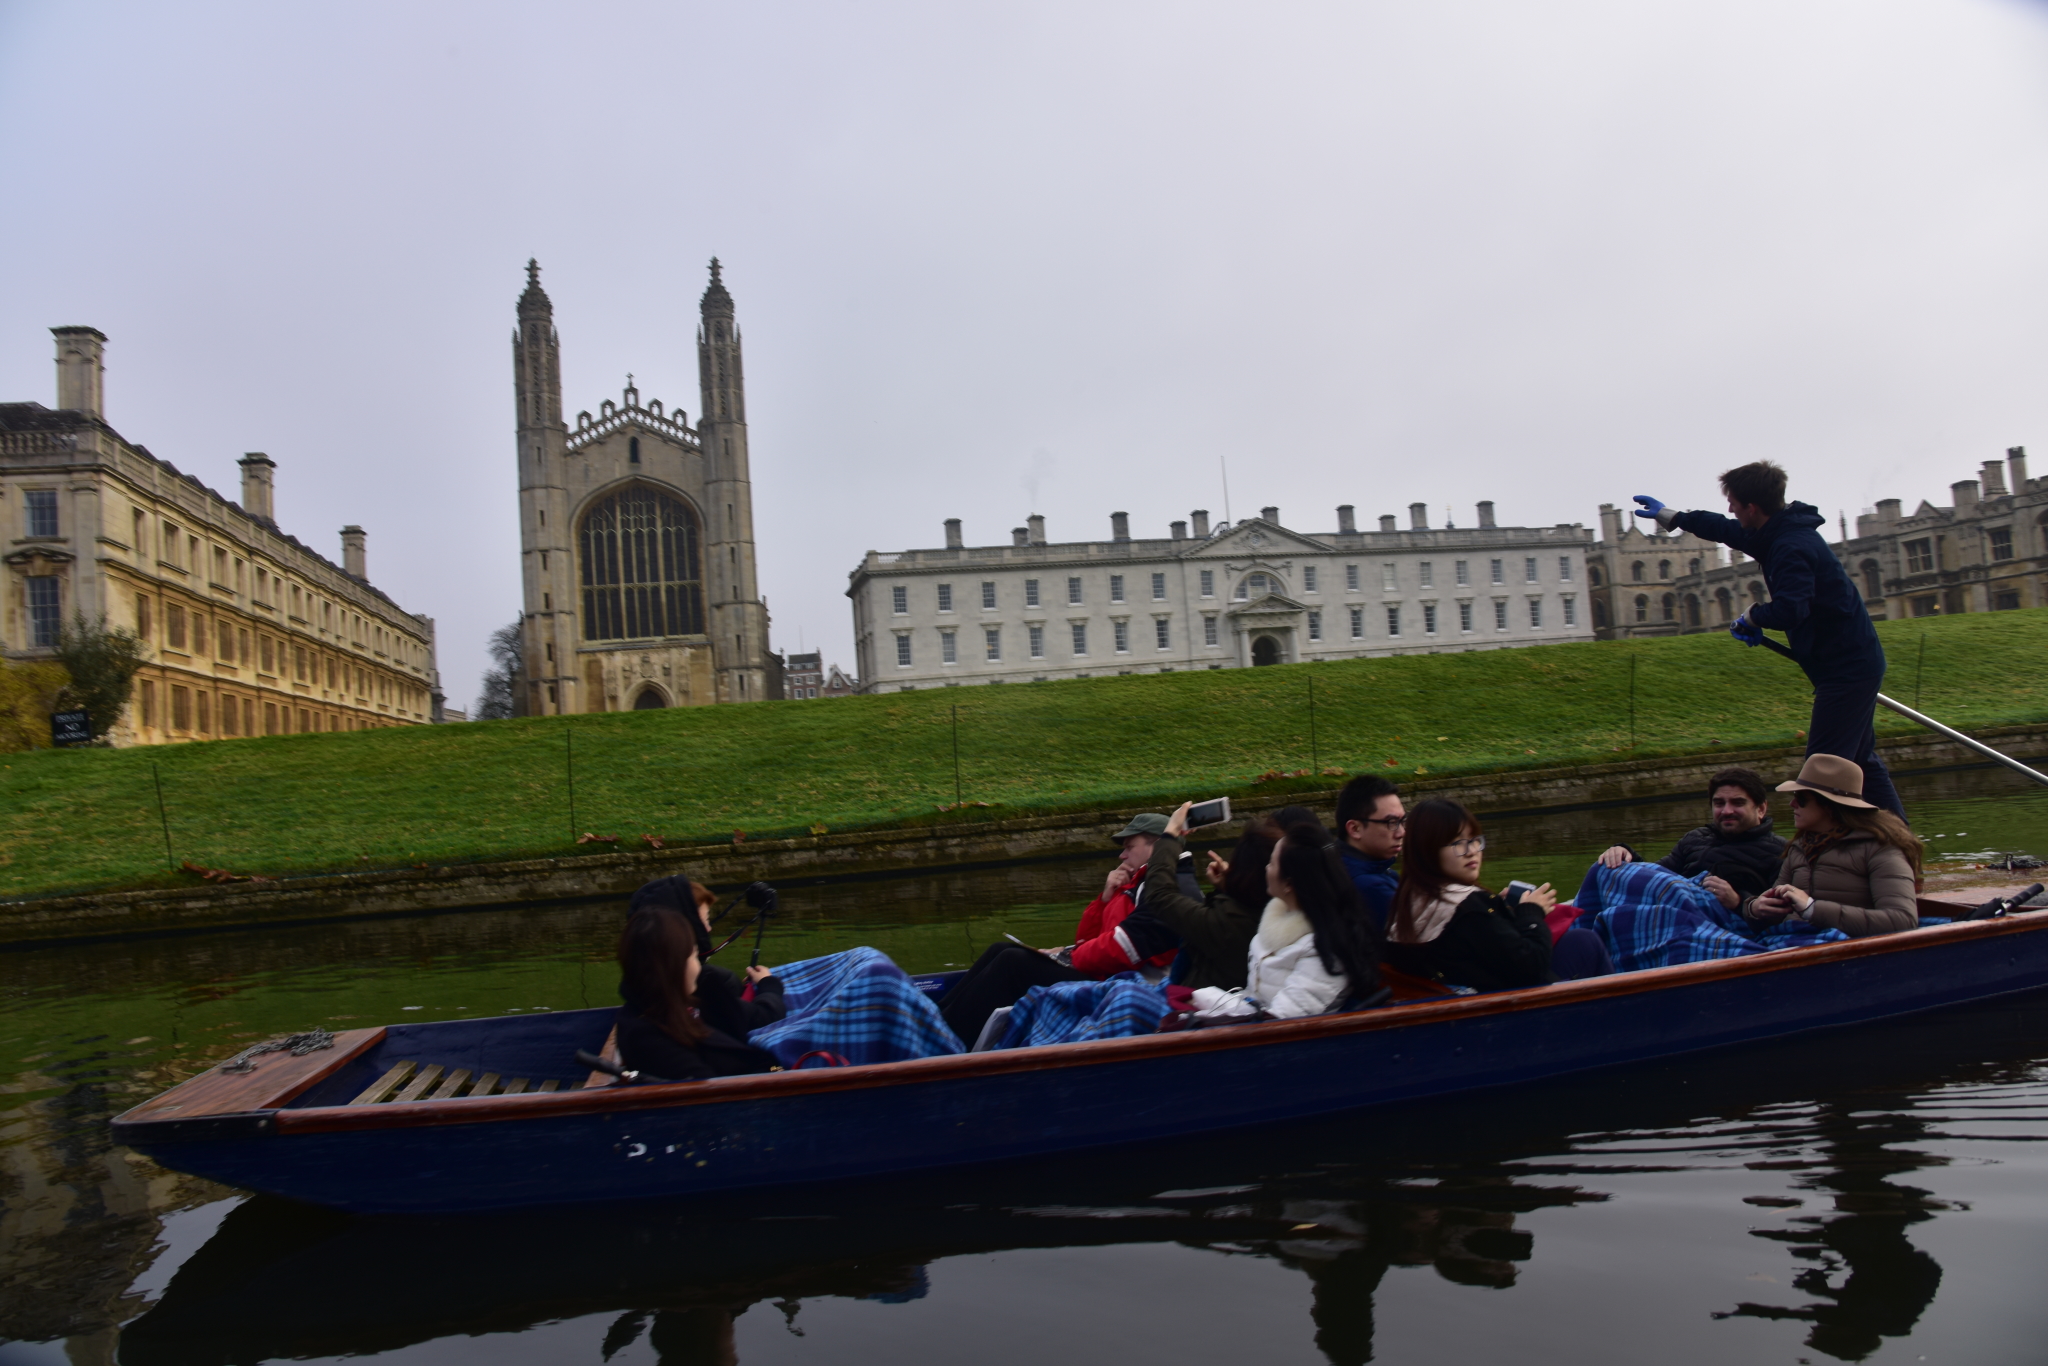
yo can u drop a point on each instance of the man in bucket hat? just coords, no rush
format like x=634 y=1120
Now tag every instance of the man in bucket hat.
x=1812 y=602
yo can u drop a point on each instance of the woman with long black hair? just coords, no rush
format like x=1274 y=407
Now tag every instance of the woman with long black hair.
x=1315 y=949
x=661 y=1032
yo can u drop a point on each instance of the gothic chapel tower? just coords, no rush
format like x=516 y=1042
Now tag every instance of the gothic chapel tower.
x=636 y=534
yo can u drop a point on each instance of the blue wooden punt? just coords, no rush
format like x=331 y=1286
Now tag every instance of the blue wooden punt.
x=288 y=1127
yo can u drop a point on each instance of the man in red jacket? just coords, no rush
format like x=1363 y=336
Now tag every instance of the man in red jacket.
x=1103 y=946
x=1108 y=941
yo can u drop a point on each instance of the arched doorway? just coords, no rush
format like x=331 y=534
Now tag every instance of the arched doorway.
x=650 y=699
x=1265 y=650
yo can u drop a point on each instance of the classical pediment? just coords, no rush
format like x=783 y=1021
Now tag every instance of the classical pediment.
x=1270 y=606
x=1256 y=539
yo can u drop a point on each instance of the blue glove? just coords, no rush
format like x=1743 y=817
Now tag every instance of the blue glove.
x=1650 y=506
x=1747 y=632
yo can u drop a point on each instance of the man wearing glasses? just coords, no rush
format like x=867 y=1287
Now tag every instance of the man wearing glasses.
x=1371 y=822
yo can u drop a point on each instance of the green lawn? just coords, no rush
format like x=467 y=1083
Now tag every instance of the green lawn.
x=85 y=819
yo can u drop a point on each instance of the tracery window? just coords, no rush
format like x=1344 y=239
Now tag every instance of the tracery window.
x=640 y=568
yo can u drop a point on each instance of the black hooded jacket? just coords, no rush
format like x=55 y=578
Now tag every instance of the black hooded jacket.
x=1812 y=600
x=1748 y=862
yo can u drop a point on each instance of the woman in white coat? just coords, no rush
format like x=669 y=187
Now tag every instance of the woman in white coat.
x=1315 y=949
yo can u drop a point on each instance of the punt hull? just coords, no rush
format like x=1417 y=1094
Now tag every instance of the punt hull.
x=833 y=1125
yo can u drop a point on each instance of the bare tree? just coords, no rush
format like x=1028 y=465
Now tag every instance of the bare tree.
x=494 y=703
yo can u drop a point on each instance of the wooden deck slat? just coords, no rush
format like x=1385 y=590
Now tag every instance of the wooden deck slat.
x=610 y=1053
x=276 y=1079
x=417 y=1087
x=549 y=1085
x=485 y=1084
x=386 y=1084
x=450 y=1084
x=514 y=1087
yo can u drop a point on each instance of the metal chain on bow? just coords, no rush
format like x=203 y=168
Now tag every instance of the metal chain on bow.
x=298 y=1045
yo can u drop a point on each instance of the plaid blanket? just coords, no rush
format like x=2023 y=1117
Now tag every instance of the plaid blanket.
x=857 y=1004
x=1650 y=917
x=1068 y=1012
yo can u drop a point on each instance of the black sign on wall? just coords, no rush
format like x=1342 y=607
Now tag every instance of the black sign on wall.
x=70 y=728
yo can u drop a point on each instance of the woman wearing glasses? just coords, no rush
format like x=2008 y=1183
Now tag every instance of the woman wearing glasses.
x=1853 y=866
x=1447 y=927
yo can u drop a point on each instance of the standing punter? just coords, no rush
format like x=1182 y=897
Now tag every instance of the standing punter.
x=1812 y=602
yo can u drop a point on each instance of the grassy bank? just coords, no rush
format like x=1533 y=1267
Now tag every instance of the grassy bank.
x=84 y=819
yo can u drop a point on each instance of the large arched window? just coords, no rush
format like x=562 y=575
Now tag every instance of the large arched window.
x=640 y=568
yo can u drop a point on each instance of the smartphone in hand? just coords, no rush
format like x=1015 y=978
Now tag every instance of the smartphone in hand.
x=1209 y=813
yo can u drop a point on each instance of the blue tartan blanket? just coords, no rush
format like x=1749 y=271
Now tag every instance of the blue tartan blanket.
x=1650 y=917
x=1069 y=1012
x=857 y=1004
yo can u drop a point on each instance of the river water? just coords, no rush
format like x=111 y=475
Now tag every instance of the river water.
x=1868 y=1195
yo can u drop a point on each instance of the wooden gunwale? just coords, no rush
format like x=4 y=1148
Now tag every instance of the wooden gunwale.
x=918 y=1071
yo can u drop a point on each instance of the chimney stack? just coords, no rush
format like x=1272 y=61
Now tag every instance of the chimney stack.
x=1964 y=491
x=1201 y=516
x=1418 y=516
x=1387 y=522
x=1036 y=523
x=352 y=552
x=1180 y=531
x=257 y=485
x=81 y=373
x=2016 y=466
x=1888 y=511
x=1486 y=515
x=1610 y=523
x=1271 y=515
x=1347 y=519
x=1018 y=535
x=1994 y=479
x=952 y=533
x=1120 y=526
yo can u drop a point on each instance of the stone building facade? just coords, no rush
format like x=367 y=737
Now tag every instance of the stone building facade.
x=1232 y=597
x=1986 y=552
x=248 y=631
x=637 y=534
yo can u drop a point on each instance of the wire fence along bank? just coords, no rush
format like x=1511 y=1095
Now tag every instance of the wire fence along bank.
x=84 y=819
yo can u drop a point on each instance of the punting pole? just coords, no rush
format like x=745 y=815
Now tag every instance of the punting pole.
x=1939 y=729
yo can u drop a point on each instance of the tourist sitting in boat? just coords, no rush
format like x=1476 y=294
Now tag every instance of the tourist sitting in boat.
x=1371 y=824
x=1447 y=927
x=1215 y=931
x=1113 y=937
x=661 y=1033
x=726 y=1003
x=1738 y=851
x=1315 y=949
x=1852 y=866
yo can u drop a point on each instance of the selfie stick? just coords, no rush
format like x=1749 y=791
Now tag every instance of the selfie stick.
x=760 y=929
x=1933 y=725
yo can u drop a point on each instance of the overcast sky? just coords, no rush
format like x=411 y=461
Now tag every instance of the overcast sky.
x=995 y=259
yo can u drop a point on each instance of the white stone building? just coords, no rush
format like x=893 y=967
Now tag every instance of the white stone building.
x=1256 y=593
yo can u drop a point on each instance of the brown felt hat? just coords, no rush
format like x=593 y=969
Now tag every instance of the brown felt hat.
x=1833 y=777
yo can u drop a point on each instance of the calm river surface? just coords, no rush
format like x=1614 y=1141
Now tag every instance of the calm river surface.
x=1879 y=1195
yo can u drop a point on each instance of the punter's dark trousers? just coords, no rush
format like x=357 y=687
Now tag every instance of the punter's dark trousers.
x=999 y=978
x=1844 y=724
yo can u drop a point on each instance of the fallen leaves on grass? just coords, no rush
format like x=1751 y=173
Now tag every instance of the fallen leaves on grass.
x=819 y=828
x=654 y=841
x=222 y=874
x=587 y=838
x=739 y=837
x=1333 y=773
x=950 y=806
x=1274 y=775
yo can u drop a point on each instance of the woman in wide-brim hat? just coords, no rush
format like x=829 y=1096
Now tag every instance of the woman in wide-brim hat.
x=1852 y=866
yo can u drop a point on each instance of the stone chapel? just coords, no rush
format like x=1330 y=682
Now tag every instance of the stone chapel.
x=637 y=534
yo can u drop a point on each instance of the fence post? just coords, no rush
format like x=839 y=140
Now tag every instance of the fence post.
x=956 y=757
x=569 y=751
x=1631 y=701
x=1919 y=671
x=1314 y=763
x=170 y=860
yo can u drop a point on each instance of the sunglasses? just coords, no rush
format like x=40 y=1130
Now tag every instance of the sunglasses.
x=1800 y=797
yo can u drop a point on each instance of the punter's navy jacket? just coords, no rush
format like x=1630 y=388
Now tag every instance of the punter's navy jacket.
x=1812 y=600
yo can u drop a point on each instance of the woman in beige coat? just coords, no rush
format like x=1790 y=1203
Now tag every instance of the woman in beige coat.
x=1853 y=866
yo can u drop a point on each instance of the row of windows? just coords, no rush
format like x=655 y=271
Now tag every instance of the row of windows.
x=230 y=644
x=1250 y=586
x=196 y=711
x=1162 y=631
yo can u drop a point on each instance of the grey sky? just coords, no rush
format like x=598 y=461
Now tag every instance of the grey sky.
x=997 y=259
